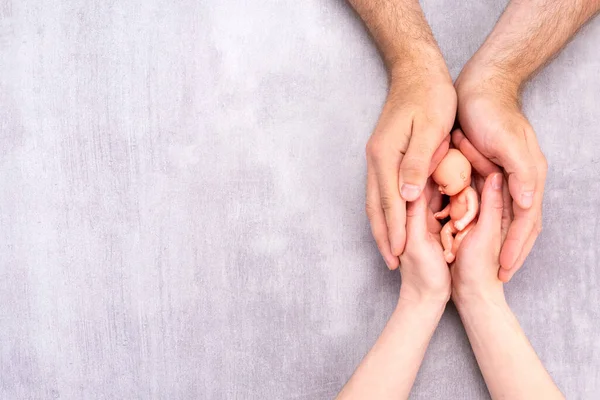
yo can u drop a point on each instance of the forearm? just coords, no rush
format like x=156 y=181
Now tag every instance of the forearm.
x=527 y=35
x=389 y=369
x=401 y=33
x=509 y=364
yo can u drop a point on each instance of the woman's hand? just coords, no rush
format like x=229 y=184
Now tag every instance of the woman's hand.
x=508 y=363
x=425 y=274
x=388 y=371
x=475 y=271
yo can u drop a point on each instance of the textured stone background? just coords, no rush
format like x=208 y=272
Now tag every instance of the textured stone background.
x=181 y=202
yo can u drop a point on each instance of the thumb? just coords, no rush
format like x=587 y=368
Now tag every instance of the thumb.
x=414 y=168
x=522 y=174
x=492 y=205
x=416 y=218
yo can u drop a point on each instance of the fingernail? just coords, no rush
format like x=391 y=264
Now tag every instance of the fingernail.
x=497 y=182
x=410 y=192
x=527 y=199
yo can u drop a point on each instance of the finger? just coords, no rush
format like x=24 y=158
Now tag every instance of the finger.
x=526 y=223
x=377 y=220
x=416 y=218
x=519 y=231
x=479 y=182
x=506 y=275
x=414 y=168
x=429 y=190
x=480 y=163
x=433 y=195
x=507 y=213
x=433 y=225
x=439 y=154
x=520 y=165
x=492 y=204
x=394 y=207
x=436 y=201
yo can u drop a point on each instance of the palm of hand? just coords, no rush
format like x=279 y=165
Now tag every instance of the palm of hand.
x=476 y=261
x=492 y=125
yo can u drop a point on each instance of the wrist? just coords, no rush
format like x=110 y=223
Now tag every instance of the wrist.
x=424 y=299
x=419 y=60
x=430 y=309
x=480 y=77
x=467 y=298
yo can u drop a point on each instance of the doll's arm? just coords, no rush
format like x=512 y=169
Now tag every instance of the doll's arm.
x=472 y=209
x=443 y=213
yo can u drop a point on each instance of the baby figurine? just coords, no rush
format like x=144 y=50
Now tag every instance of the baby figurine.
x=453 y=175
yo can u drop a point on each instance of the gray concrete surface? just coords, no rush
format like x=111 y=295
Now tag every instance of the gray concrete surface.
x=181 y=202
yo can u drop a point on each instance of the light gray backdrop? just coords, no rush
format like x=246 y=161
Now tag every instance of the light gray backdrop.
x=182 y=195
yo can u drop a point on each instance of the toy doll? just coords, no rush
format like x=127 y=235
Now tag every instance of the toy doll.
x=453 y=175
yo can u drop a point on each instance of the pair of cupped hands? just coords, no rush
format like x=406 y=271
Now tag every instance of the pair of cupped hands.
x=474 y=272
x=509 y=172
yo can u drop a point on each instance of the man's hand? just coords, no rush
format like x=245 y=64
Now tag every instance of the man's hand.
x=410 y=139
x=497 y=131
x=527 y=35
x=417 y=116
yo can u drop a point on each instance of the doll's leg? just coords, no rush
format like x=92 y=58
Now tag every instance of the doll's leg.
x=447 y=240
x=460 y=236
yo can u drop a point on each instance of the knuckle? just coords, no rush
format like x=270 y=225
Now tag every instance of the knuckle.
x=498 y=143
x=382 y=241
x=424 y=148
x=369 y=148
x=413 y=166
x=435 y=126
x=498 y=205
x=531 y=172
x=371 y=210
x=375 y=148
x=387 y=202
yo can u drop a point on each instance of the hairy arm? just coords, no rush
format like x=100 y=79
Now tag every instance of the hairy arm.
x=419 y=112
x=528 y=34
x=526 y=37
x=399 y=29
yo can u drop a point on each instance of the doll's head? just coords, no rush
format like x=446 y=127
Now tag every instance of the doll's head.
x=453 y=174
